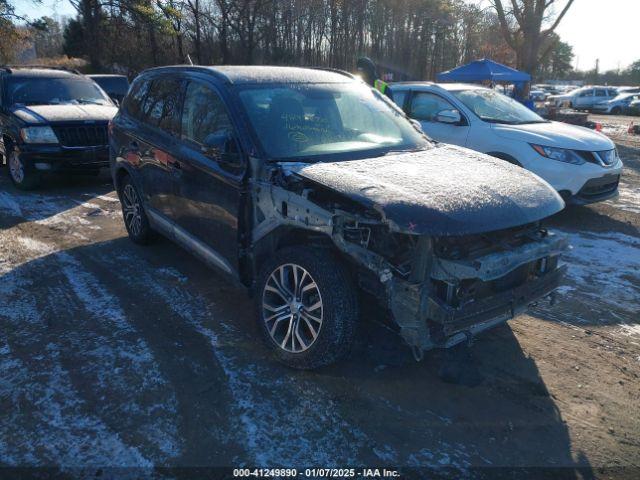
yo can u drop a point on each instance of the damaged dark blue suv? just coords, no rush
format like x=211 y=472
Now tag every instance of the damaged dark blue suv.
x=52 y=121
x=308 y=187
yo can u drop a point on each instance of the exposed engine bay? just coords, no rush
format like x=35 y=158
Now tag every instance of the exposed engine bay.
x=441 y=289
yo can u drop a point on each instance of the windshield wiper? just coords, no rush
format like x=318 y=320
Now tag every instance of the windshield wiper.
x=88 y=101
x=524 y=122
x=496 y=120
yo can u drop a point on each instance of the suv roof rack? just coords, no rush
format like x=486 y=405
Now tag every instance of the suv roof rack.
x=9 y=68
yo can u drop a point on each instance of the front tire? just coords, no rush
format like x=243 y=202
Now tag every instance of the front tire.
x=616 y=111
x=135 y=218
x=20 y=172
x=307 y=307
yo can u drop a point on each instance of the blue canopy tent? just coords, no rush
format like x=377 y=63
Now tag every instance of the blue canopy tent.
x=483 y=70
x=488 y=70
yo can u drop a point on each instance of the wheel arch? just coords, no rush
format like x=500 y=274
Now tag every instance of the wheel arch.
x=279 y=238
x=120 y=172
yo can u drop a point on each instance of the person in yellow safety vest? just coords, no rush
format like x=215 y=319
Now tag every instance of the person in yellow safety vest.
x=381 y=86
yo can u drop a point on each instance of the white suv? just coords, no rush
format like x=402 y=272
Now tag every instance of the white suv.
x=581 y=164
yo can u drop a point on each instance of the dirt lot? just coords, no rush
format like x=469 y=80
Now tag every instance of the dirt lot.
x=117 y=355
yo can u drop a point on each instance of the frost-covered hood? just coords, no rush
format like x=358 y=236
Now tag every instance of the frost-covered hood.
x=555 y=134
x=446 y=190
x=45 y=114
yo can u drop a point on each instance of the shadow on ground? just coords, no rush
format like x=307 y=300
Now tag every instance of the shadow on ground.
x=153 y=358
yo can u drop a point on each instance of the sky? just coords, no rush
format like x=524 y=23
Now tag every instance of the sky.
x=596 y=29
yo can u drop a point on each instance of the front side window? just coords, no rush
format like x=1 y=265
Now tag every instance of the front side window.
x=586 y=93
x=204 y=114
x=315 y=120
x=54 y=91
x=601 y=92
x=493 y=107
x=425 y=106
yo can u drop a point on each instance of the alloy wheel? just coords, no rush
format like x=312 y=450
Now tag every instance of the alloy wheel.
x=16 y=168
x=132 y=210
x=292 y=308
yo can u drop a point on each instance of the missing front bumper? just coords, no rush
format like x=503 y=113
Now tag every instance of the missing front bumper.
x=427 y=322
x=498 y=308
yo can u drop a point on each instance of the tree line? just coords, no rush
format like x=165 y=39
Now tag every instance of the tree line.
x=415 y=39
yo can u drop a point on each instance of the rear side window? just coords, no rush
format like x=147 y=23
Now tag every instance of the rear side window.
x=135 y=100
x=204 y=113
x=162 y=105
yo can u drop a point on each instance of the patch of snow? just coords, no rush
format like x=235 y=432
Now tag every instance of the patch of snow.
x=603 y=276
x=36 y=247
x=129 y=352
x=107 y=198
x=606 y=268
x=108 y=357
x=172 y=273
x=628 y=198
x=631 y=330
x=450 y=456
x=66 y=434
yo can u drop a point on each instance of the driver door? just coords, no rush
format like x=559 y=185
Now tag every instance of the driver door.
x=425 y=106
x=208 y=185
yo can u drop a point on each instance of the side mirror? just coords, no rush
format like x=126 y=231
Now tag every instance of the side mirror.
x=220 y=145
x=449 y=116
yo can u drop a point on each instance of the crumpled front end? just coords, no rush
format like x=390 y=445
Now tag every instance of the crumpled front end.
x=444 y=290
x=440 y=289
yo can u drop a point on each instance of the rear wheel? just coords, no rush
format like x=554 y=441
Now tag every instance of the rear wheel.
x=135 y=218
x=20 y=172
x=307 y=307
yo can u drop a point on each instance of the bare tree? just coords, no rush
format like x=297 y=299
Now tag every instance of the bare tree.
x=522 y=28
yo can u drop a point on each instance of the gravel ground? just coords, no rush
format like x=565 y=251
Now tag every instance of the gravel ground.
x=113 y=354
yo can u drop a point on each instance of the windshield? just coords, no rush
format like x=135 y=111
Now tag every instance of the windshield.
x=494 y=107
x=294 y=121
x=55 y=91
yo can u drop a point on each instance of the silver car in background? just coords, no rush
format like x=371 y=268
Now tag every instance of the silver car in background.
x=618 y=105
x=583 y=98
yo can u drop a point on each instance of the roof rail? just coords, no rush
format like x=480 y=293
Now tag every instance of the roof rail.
x=335 y=70
x=210 y=69
x=9 y=68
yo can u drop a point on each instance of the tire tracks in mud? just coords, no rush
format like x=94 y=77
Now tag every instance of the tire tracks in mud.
x=87 y=312
x=68 y=344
